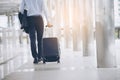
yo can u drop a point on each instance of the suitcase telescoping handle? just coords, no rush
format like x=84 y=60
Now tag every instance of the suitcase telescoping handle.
x=48 y=33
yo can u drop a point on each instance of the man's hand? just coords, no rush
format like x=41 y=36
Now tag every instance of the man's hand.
x=49 y=25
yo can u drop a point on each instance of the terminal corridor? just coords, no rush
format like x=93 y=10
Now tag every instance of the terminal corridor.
x=88 y=34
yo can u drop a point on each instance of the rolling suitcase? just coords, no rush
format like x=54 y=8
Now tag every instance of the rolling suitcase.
x=51 y=50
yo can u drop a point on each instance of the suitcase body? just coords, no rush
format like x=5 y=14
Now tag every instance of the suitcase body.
x=51 y=50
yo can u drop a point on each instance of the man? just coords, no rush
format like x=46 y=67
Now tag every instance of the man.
x=35 y=11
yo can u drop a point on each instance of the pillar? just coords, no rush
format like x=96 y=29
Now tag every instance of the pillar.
x=76 y=24
x=66 y=25
x=105 y=34
x=87 y=28
x=9 y=21
x=57 y=26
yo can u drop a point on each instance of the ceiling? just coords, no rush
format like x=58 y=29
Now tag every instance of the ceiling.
x=9 y=6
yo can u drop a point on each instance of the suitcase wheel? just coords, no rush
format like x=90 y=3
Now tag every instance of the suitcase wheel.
x=44 y=62
x=58 y=61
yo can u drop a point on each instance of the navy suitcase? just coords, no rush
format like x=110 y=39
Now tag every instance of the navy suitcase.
x=51 y=50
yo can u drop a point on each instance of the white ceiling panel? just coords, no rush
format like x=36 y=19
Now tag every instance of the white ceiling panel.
x=9 y=6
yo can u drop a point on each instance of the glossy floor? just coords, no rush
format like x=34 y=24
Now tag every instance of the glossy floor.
x=73 y=66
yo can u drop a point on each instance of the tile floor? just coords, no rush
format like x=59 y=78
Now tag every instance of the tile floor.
x=72 y=67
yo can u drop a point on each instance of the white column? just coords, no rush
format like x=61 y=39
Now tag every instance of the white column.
x=85 y=29
x=12 y=21
x=9 y=21
x=90 y=26
x=105 y=34
x=53 y=15
x=57 y=18
x=75 y=24
x=66 y=23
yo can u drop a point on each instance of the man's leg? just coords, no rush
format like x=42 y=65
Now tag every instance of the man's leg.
x=32 y=39
x=40 y=29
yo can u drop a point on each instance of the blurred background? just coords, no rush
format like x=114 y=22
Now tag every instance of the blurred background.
x=86 y=28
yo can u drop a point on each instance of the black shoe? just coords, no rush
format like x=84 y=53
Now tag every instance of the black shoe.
x=39 y=59
x=35 y=61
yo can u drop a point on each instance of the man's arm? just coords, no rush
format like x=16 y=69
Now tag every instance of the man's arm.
x=21 y=8
x=45 y=10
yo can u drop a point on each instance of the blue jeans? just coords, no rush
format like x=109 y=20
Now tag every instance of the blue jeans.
x=36 y=28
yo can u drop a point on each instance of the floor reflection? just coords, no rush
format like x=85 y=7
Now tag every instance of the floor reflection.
x=17 y=58
x=12 y=57
x=8 y=67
